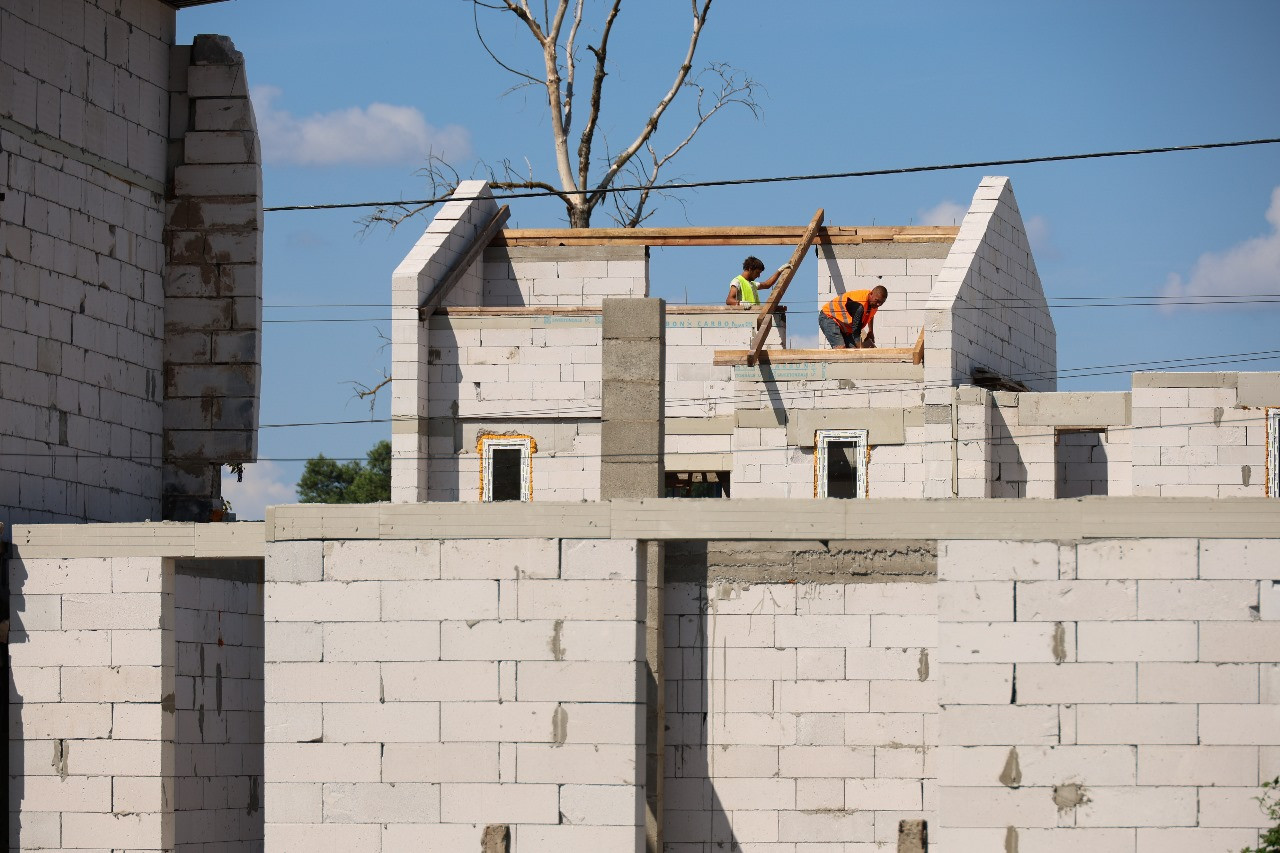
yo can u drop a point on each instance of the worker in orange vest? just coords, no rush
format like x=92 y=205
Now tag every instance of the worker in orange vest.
x=843 y=318
x=743 y=290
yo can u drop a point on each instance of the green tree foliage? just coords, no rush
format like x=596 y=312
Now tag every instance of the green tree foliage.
x=327 y=481
x=1270 y=803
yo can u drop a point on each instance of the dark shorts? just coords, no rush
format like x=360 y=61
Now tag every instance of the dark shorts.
x=838 y=337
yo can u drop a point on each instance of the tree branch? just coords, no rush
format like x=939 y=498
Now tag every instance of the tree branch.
x=570 y=62
x=475 y=20
x=699 y=19
x=597 y=85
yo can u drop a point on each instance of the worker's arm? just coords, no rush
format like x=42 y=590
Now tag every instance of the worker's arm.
x=734 y=298
x=773 y=279
x=869 y=342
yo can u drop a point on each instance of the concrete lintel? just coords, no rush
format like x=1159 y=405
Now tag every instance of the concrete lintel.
x=698 y=461
x=1074 y=408
x=719 y=425
x=1185 y=380
x=241 y=539
x=761 y=418
x=1259 y=389
x=410 y=426
x=803 y=561
x=883 y=426
x=439 y=521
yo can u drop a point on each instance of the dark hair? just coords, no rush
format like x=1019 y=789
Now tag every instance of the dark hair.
x=752 y=263
x=881 y=291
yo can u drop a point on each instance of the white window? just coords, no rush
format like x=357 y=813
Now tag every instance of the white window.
x=1273 y=452
x=506 y=467
x=840 y=463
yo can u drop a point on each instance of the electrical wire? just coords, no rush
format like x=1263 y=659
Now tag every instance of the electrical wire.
x=968 y=442
x=824 y=176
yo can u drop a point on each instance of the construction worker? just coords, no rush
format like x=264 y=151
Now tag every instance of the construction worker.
x=743 y=290
x=843 y=318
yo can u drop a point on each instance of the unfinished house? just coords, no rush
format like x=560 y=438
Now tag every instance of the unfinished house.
x=499 y=371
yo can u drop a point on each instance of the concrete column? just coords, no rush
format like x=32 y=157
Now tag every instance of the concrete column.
x=212 y=281
x=631 y=448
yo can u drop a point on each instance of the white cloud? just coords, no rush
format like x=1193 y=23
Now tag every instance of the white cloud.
x=264 y=485
x=943 y=213
x=1041 y=240
x=376 y=134
x=1250 y=267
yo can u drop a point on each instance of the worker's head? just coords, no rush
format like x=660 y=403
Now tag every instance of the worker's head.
x=879 y=294
x=752 y=267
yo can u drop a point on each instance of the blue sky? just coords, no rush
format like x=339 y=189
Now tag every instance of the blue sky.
x=350 y=98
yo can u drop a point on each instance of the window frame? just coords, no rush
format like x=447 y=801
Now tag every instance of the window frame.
x=822 y=440
x=1273 y=451
x=485 y=446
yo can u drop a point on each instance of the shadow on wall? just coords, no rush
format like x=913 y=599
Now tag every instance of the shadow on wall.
x=1009 y=477
x=702 y=818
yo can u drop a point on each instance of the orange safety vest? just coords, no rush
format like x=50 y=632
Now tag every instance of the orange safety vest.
x=836 y=310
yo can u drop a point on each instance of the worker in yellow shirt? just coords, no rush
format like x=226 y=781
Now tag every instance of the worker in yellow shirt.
x=843 y=318
x=744 y=290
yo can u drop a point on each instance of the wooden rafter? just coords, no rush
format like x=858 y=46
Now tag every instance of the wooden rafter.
x=765 y=322
x=738 y=235
x=460 y=267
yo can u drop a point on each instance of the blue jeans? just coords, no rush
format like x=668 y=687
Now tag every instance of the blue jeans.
x=837 y=336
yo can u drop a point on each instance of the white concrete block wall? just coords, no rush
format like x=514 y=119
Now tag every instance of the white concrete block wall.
x=1105 y=692
x=908 y=271
x=218 y=699
x=445 y=240
x=92 y=673
x=987 y=308
x=419 y=691
x=1034 y=452
x=800 y=717
x=1201 y=434
x=767 y=465
x=83 y=128
x=563 y=276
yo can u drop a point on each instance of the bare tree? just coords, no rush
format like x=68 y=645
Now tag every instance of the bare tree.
x=556 y=33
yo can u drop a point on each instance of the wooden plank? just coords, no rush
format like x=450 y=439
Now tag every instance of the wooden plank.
x=766 y=313
x=460 y=267
x=761 y=235
x=883 y=355
x=917 y=352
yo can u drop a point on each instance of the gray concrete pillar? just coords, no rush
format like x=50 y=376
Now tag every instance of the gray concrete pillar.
x=631 y=448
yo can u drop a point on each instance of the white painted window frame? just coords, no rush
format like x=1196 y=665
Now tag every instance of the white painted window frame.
x=525 y=445
x=821 y=440
x=1273 y=452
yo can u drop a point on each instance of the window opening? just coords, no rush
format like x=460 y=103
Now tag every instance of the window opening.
x=840 y=463
x=506 y=467
x=697 y=484
x=1080 y=462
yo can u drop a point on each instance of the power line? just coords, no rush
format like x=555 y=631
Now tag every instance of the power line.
x=986 y=440
x=824 y=176
x=1206 y=302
